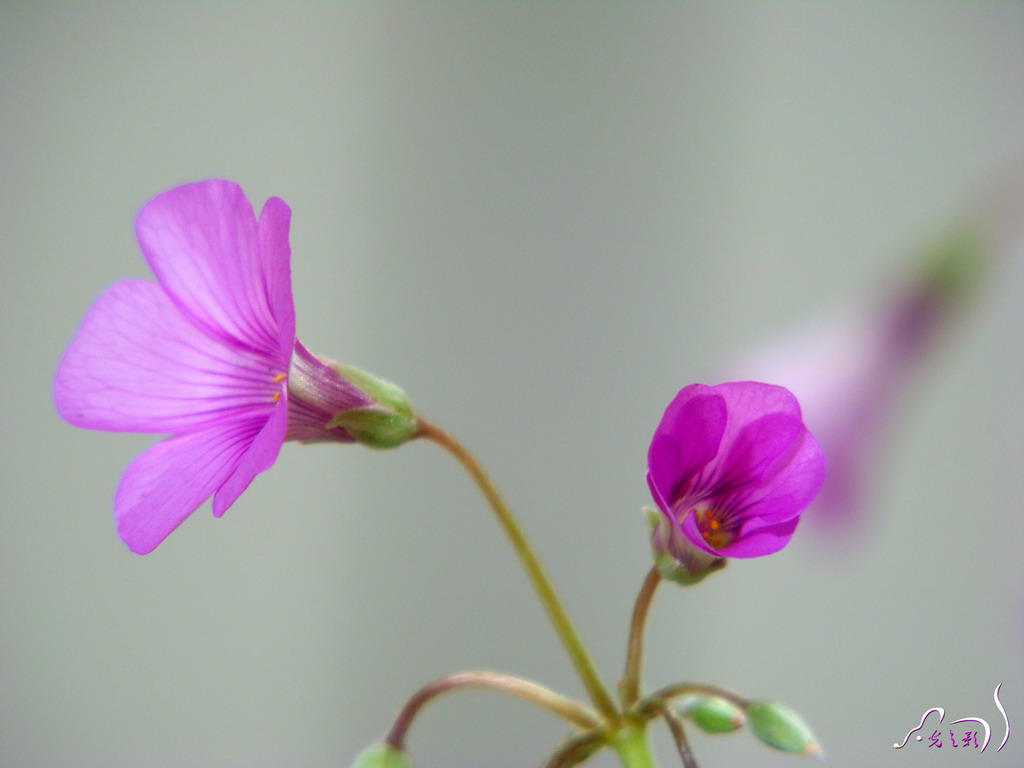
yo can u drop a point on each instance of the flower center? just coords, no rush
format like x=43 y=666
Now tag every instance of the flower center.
x=712 y=528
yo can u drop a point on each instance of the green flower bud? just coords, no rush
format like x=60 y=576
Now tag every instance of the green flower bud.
x=779 y=726
x=382 y=756
x=713 y=714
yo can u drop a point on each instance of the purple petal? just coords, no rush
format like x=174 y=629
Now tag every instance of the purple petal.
x=747 y=401
x=756 y=538
x=206 y=248
x=260 y=456
x=276 y=252
x=167 y=482
x=756 y=451
x=686 y=440
x=137 y=364
x=762 y=539
x=316 y=392
x=656 y=495
x=795 y=484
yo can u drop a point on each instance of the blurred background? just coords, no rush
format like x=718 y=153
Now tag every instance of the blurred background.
x=542 y=221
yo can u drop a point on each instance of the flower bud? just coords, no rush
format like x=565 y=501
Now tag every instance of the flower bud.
x=713 y=714
x=780 y=727
x=382 y=756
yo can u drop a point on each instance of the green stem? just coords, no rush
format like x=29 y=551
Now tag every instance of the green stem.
x=629 y=688
x=573 y=711
x=631 y=744
x=652 y=705
x=538 y=578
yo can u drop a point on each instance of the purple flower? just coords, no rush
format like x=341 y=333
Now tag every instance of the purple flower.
x=856 y=369
x=730 y=467
x=207 y=354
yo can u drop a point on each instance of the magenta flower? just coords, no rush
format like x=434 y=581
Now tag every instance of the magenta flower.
x=856 y=369
x=730 y=467
x=207 y=354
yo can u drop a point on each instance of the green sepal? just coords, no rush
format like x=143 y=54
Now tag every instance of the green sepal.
x=382 y=756
x=375 y=427
x=713 y=714
x=779 y=726
x=954 y=263
x=381 y=390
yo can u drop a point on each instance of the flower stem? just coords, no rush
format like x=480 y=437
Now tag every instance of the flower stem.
x=631 y=744
x=576 y=749
x=653 y=704
x=629 y=688
x=571 y=710
x=539 y=579
x=675 y=725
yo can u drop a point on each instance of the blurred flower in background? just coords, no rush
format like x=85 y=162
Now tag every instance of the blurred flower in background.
x=853 y=369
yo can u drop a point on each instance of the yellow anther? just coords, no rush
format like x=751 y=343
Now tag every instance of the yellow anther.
x=711 y=529
x=281 y=377
x=277 y=396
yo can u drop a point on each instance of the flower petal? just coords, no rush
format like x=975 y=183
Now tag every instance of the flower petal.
x=205 y=247
x=747 y=401
x=686 y=440
x=763 y=539
x=787 y=492
x=276 y=257
x=757 y=537
x=758 y=450
x=167 y=482
x=260 y=456
x=137 y=364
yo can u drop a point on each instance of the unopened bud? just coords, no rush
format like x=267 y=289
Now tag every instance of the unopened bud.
x=779 y=726
x=713 y=714
x=382 y=756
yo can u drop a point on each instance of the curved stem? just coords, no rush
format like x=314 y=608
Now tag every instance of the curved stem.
x=629 y=688
x=562 y=706
x=675 y=725
x=654 y=704
x=576 y=749
x=538 y=578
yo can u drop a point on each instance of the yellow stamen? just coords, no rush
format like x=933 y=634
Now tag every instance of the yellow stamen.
x=711 y=529
x=281 y=377
x=277 y=396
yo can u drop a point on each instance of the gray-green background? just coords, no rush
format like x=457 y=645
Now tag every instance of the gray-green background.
x=542 y=220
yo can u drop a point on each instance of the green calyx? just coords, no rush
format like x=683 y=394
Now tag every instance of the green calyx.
x=381 y=756
x=388 y=423
x=779 y=726
x=385 y=393
x=375 y=427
